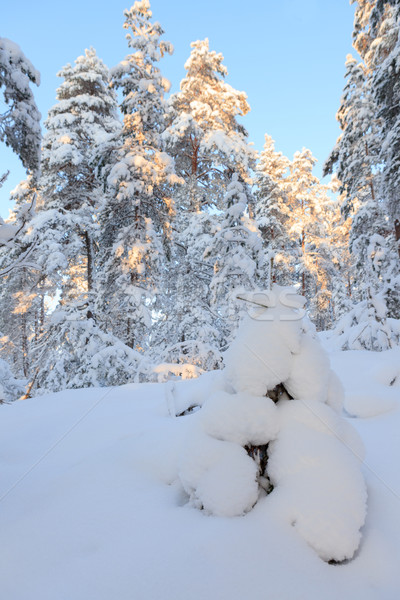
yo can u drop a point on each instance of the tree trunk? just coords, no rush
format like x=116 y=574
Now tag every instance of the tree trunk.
x=397 y=234
x=89 y=270
x=89 y=266
x=25 y=359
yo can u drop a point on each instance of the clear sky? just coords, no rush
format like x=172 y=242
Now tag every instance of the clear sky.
x=287 y=55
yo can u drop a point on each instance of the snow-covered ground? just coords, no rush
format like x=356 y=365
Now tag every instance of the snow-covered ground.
x=92 y=508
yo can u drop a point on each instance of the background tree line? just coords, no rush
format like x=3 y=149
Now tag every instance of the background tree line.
x=127 y=248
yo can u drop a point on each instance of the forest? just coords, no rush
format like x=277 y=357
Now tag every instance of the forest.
x=144 y=218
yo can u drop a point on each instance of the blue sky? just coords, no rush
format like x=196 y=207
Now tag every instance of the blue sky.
x=287 y=55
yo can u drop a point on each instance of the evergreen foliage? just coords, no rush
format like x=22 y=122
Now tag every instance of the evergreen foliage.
x=236 y=253
x=204 y=134
x=135 y=221
x=66 y=226
x=124 y=260
x=367 y=153
x=20 y=123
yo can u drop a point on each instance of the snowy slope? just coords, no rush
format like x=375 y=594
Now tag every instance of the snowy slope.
x=91 y=508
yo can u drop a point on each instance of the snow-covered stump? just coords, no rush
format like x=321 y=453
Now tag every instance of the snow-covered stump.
x=276 y=428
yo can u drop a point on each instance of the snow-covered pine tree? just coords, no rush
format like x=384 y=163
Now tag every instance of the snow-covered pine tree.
x=20 y=123
x=366 y=326
x=20 y=303
x=66 y=225
x=355 y=155
x=237 y=256
x=340 y=268
x=308 y=200
x=213 y=258
x=204 y=134
x=143 y=106
x=272 y=213
x=10 y=387
x=70 y=198
x=366 y=154
x=136 y=219
x=189 y=331
x=383 y=59
x=19 y=129
x=294 y=212
x=86 y=356
x=208 y=145
x=15 y=245
x=362 y=28
x=363 y=162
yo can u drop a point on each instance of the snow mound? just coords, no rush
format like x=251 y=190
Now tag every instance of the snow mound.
x=258 y=367
x=240 y=418
x=335 y=398
x=219 y=477
x=187 y=394
x=315 y=468
x=366 y=404
x=310 y=372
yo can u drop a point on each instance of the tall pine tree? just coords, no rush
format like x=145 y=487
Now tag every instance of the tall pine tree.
x=136 y=220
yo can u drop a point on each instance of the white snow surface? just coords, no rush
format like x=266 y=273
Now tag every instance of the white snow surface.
x=240 y=418
x=374 y=387
x=314 y=466
x=310 y=372
x=261 y=355
x=218 y=476
x=91 y=504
